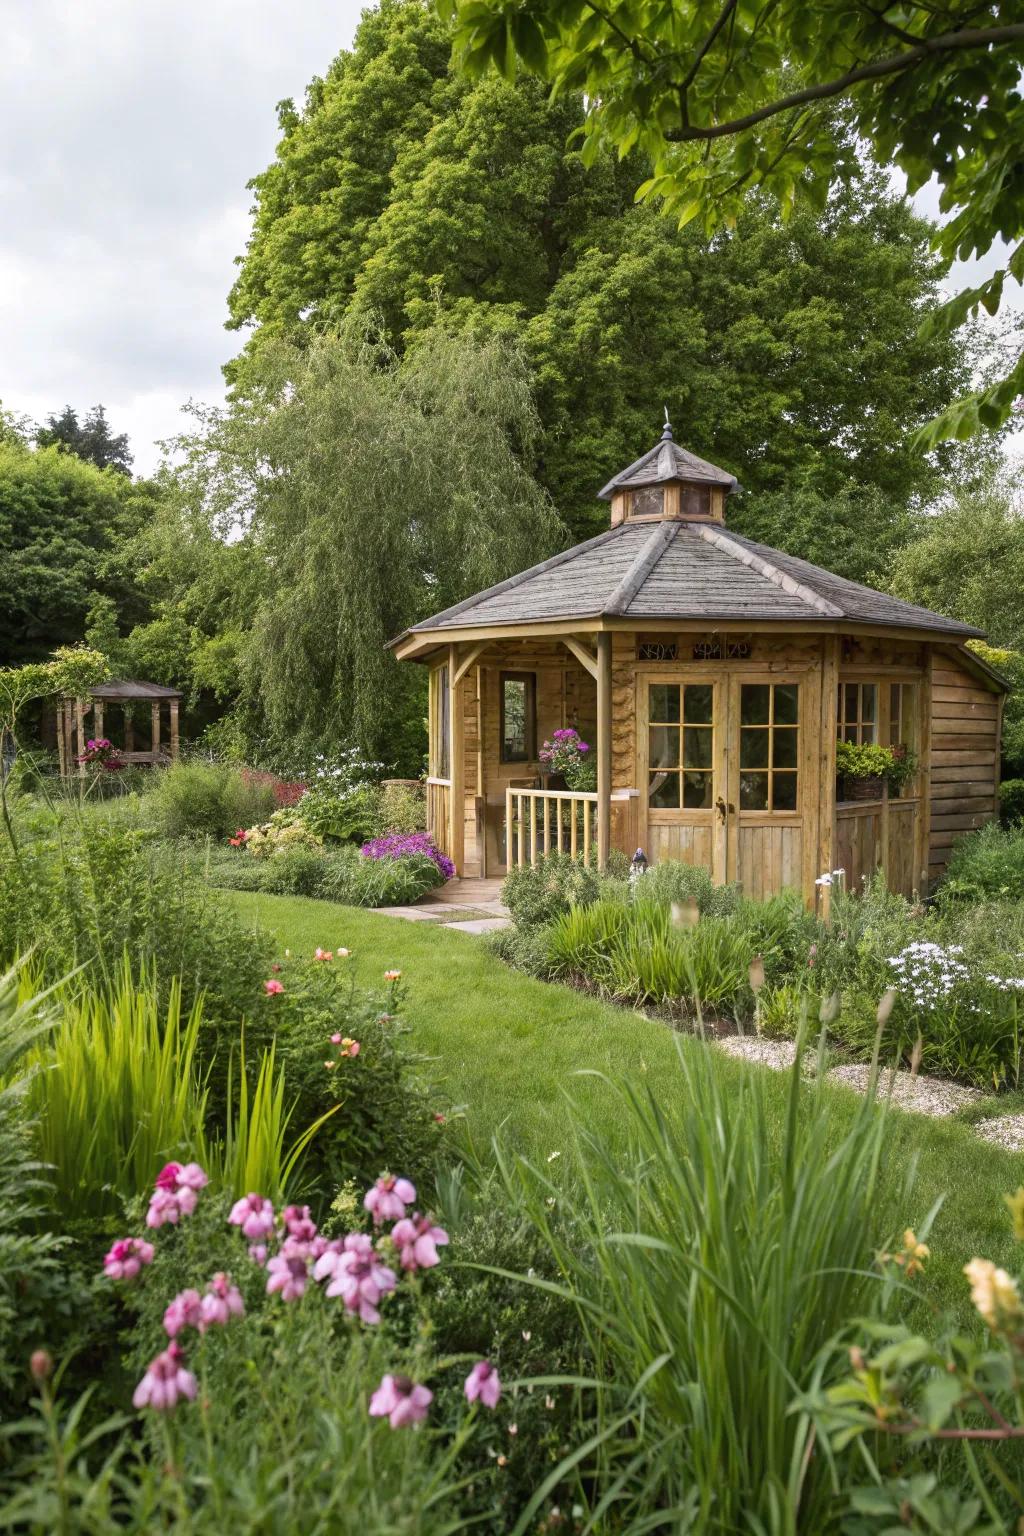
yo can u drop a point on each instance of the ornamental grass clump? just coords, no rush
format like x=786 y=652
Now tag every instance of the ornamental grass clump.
x=709 y=1269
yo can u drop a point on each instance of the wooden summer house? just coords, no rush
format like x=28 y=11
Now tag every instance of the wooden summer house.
x=129 y=696
x=712 y=677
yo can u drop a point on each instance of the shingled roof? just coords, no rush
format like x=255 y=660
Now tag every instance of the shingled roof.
x=664 y=462
x=678 y=570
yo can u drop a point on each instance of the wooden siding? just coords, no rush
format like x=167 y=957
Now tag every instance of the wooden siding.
x=964 y=787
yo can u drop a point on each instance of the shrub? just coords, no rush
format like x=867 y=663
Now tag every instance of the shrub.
x=1011 y=802
x=403 y=807
x=205 y=799
x=670 y=880
x=330 y=874
x=538 y=893
x=406 y=846
x=284 y=832
x=343 y=801
x=986 y=864
x=709 y=1270
x=523 y=948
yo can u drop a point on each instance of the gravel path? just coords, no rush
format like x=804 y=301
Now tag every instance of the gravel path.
x=777 y=1054
x=1006 y=1131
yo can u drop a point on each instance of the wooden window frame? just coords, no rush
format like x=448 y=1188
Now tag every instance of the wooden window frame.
x=682 y=725
x=796 y=773
x=440 y=755
x=858 y=724
x=530 y=680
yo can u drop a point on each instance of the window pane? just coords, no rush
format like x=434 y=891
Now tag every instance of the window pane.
x=697 y=705
x=697 y=746
x=514 y=742
x=850 y=733
x=867 y=731
x=444 y=753
x=696 y=790
x=664 y=791
x=664 y=703
x=784 y=748
x=784 y=791
x=754 y=702
x=852 y=712
x=753 y=749
x=786 y=703
x=868 y=697
x=664 y=746
x=649 y=501
x=753 y=791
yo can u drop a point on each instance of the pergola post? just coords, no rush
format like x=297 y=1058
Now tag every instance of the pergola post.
x=129 y=728
x=155 y=744
x=174 y=730
x=604 y=747
x=80 y=717
x=456 y=766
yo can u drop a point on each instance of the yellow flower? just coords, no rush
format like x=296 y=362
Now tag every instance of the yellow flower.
x=1016 y=1205
x=993 y=1292
x=911 y=1256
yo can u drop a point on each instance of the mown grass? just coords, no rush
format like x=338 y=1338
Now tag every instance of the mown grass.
x=509 y=1049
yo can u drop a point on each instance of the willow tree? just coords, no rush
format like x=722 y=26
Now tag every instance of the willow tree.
x=371 y=492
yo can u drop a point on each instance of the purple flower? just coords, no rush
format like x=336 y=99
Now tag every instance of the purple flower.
x=417 y=1240
x=288 y=1272
x=221 y=1302
x=255 y=1215
x=403 y=845
x=185 y=1311
x=399 y=1400
x=388 y=1198
x=127 y=1257
x=356 y=1275
x=483 y=1382
x=164 y=1382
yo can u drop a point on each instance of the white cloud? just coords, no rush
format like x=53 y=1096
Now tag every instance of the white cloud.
x=129 y=130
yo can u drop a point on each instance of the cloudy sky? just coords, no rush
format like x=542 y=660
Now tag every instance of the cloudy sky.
x=129 y=129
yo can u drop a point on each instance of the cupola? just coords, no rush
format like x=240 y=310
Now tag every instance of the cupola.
x=669 y=483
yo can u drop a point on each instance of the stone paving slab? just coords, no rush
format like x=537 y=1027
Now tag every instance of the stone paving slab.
x=411 y=914
x=481 y=925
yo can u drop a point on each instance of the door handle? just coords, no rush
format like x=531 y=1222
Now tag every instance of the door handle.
x=720 y=807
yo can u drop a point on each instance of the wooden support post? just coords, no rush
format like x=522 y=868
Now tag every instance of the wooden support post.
x=155 y=718
x=129 y=730
x=604 y=748
x=827 y=765
x=97 y=718
x=174 y=730
x=62 y=740
x=80 y=718
x=457 y=765
x=922 y=840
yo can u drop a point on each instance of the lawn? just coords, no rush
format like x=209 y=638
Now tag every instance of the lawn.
x=510 y=1049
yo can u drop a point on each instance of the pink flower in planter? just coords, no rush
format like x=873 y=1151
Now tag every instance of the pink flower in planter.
x=272 y=987
x=356 y=1275
x=255 y=1215
x=288 y=1272
x=126 y=1258
x=164 y=1382
x=399 y=1400
x=484 y=1384
x=185 y=1311
x=222 y=1302
x=388 y=1198
x=417 y=1241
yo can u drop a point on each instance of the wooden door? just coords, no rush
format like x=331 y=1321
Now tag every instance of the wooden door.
x=680 y=749
x=767 y=771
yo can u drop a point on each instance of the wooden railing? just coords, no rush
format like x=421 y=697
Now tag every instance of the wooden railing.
x=438 y=802
x=540 y=821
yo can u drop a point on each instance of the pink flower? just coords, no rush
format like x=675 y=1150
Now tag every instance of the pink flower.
x=272 y=987
x=167 y=1178
x=174 y=1177
x=164 y=1382
x=127 y=1257
x=221 y=1302
x=185 y=1311
x=255 y=1216
x=258 y=1253
x=163 y=1208
x=483 y=1382
x=357 y=1276
x=417 y=1241
x=391 y=976
x=298 y=1223
x=400 y=1401
x=336 y=1038
x=322 y=954
x=288 y=1272
x=388 y=1198
x=176 y=1193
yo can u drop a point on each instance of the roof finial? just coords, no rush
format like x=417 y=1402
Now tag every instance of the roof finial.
x=666 y=435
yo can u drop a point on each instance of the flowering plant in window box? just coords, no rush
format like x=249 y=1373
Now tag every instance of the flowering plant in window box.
x=864 y=769
x=567 y=754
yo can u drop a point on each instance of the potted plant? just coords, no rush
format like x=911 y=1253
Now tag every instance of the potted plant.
x=864 y=769
x=565 y=757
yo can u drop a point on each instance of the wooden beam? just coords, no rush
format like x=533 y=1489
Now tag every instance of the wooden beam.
x=80 y=717
x=583 y=656
x=456 y=766
x=174 y=730
x=827 y=766
x=154 y=715
x=604 y=748
x=467 y=661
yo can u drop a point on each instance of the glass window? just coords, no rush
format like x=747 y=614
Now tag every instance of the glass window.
x=648 y=501
x=680 y=745
x=769 y=746
x=695 y=500
x=443 y=725
x=518 y=717
x=857 y=712
x=903 y=724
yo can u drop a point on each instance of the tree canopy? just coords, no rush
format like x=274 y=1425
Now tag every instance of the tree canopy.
x=411 y=197
x=91 y=439
x=720 y=96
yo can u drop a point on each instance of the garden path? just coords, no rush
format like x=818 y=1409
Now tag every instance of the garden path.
x=468 y=906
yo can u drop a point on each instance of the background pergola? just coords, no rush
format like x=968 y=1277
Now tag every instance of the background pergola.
x=72 y=713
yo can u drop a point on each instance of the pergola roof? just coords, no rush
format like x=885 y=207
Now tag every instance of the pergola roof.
x=664 y=462
x=130 y=688
x=679 y=570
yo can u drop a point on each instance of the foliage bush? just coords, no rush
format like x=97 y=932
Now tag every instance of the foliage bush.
x=538 y=893
x=402 y=808
x=197 y=798
x=331 y=874
x=988 y=864
x=671 y=880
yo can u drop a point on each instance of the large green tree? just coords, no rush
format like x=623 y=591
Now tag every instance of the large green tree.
x=90 y=439
x=405 y=193
x=366 y=492
x=63 y=524
x=724 y=95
